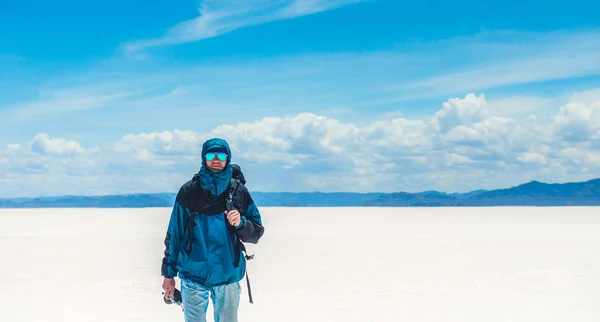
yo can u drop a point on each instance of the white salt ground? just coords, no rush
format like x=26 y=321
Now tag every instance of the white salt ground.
x=316 y=264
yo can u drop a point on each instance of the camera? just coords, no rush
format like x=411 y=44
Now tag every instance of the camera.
x=173 y=299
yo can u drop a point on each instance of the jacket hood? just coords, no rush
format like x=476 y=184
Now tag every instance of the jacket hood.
x=216 y=183
x=216 y=143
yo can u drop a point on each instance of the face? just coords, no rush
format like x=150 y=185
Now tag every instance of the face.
x=216 y=161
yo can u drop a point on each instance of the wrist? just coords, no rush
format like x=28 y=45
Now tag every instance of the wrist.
x=240 y=224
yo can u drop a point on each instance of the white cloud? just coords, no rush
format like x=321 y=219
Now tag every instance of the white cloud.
x=586 y=97
x=593 y=159
x=578 y=122
x=42 y=144
x=465 y=139
x=305 y=7
x=459 y=112
x=165 y=143
x=457 y=159
x=532 y=157
x=524 y=106
x=218 y=17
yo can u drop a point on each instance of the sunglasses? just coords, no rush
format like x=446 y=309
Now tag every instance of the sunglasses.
x=221 y=155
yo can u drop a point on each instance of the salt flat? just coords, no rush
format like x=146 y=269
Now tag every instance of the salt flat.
x=316 y=264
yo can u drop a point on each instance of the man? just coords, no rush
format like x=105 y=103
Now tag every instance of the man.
x=203 y=241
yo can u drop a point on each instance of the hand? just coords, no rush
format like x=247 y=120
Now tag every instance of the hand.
x=169 y=286
x=233 y=217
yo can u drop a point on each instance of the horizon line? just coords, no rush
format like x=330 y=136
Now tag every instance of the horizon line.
x=307 y=192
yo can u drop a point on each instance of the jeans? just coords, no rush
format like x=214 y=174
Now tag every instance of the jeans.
x=225 y=299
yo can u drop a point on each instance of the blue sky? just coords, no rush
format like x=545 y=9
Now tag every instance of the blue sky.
x=328 y=95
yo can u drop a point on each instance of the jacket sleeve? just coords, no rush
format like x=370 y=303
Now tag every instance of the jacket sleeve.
x=250 y=229
x=175 y=231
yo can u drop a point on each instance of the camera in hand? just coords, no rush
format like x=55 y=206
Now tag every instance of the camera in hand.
x=173 y=299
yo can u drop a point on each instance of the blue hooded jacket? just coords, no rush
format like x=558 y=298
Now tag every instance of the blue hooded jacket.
x=205 y=249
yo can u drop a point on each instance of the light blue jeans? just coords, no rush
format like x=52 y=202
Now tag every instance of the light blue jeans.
x=225 y=299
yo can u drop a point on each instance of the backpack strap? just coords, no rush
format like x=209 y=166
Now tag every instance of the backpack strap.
x=238 y=244
x=246 y=272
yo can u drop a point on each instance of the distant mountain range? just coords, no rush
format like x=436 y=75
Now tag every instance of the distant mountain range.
x=533 y=193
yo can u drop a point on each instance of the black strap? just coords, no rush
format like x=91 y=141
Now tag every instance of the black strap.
x=249 y=290
x=248 y=257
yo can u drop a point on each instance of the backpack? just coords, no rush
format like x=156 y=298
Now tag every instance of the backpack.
x=201 y=202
